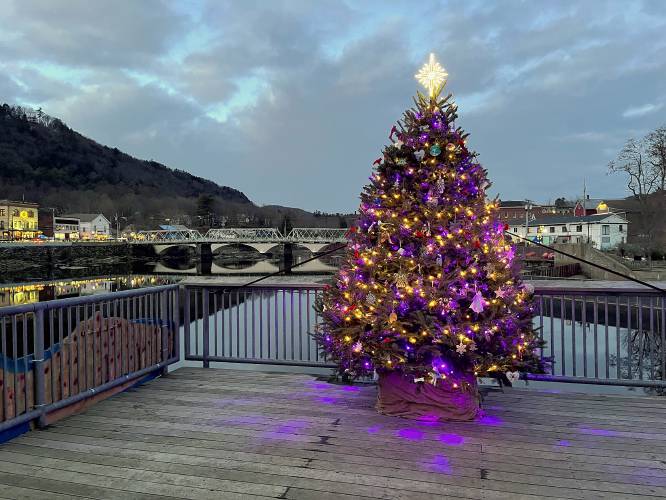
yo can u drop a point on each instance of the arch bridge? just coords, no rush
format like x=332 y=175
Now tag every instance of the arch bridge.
x=261 y=239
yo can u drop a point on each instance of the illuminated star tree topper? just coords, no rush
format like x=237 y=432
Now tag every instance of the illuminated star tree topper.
x=432 y=76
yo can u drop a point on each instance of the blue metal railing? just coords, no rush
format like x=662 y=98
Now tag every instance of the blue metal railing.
x=54 y=354
x=609 y=336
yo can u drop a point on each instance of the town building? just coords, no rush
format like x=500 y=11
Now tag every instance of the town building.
x=604 y=231
x=590 y=206
x=515 y=210
x=18 y=220
x=58 y=227
x=92 y=226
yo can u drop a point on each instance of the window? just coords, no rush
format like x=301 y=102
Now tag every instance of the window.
x=31 y=214
x=2 y=212
x=551 y=229
x=564 y=229
x=605 y=229
x=515 y=229
x=620 y=228
x=579 y=228
x=605 y=239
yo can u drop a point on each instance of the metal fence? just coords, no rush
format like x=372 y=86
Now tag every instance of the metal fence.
x=594 y=336
x=260 y=324
x=608 y=336
x=54 y=354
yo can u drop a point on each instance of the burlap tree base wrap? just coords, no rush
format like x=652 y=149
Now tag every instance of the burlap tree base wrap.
x=400 y=396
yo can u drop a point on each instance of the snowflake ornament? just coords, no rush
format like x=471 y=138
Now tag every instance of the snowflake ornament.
x=461 y=348
x=419 y=155
x=441 y=185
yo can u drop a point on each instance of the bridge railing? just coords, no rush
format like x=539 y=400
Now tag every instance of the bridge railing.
x=250 y=234
x=253 y=234
x=58 y=353
x=165 y=236
x=317 y=234
x=593 y=336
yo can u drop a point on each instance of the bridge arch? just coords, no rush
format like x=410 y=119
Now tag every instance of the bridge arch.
x=259 y=247
x=160 y=249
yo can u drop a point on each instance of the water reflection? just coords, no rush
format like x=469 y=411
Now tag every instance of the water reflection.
x=30 y=293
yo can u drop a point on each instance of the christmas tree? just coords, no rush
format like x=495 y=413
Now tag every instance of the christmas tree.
x=429 y=295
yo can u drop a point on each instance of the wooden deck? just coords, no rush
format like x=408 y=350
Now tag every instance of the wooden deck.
x=211 y=434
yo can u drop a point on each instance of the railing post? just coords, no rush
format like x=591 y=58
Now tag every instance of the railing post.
x=186 y=320
x=38 y=368
x=205 y=296
x=176 y=322
x=165 y=327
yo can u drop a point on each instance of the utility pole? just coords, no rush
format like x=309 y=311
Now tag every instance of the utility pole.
x=528 y=207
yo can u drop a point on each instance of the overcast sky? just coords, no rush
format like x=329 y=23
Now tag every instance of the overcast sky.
x=291 y=101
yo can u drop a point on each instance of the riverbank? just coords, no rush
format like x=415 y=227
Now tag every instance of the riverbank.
x=49 y=261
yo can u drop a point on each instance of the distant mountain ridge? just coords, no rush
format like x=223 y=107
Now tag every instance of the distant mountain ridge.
x=45 y=161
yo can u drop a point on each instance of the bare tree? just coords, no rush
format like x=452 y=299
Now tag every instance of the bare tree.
x=655 y=144
x=642 y=181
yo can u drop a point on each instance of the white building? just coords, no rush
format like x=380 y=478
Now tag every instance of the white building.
x=93 y=226
x=603 y=231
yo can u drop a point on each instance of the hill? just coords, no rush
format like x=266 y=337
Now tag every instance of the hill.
x=45 y=161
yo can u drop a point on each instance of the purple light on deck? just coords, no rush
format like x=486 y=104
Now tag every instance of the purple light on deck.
x=351 y=388
x=374 y=429
x=411 y=434
x=452 y=439
x=441 y=464
x=490 y=420
x=327 y=400
x=320 y=386
x=596 y=432
x=429 y=420
x=564 y=442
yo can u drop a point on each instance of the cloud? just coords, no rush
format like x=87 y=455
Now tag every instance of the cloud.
x=638 y=111
x=81 y=33
x=291 y=100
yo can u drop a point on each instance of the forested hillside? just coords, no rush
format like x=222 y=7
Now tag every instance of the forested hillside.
x=45 y=161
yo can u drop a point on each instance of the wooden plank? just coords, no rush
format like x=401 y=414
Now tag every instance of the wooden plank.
x=169 y=408
x=190 y=446
x=240 y=434
x=20 y=493
x=192 y=457
x=653 y=451
x=551 y=451
x=221 y=473
x=108 y=480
